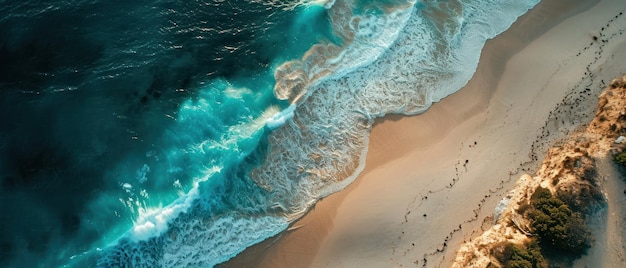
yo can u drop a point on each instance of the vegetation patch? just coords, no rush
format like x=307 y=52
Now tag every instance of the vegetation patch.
x=559 y=233
x=519 y=256
x=559 y=229
x=580 y=197
x=620 y=158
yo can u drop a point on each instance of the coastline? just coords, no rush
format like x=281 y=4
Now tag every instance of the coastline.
x=416 y=177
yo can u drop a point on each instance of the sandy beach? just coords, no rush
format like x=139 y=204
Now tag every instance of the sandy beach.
x=432 y=181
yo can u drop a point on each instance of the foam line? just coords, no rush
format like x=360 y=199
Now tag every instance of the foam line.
x=280 y=118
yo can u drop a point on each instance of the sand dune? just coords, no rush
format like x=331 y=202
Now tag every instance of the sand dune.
x=431 y=181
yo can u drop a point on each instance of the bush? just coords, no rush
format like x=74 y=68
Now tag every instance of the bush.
x=519 y=256
x=557 y=226
x=620 y=161
x=620 y=158
x=580 y=197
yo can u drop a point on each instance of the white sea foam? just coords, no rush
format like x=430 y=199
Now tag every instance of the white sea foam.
x=365 y=37
x=218 y=241
x=154 y=222
x=328 y=4
x=280 y=118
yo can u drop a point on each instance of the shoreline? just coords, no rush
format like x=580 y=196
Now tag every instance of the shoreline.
x=470 y=125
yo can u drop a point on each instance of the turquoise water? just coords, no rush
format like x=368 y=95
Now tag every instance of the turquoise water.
x=178 y=133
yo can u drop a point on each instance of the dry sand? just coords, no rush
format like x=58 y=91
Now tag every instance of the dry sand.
x=432 y=180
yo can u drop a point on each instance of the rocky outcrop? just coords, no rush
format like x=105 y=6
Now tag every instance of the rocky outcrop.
x=569 y=171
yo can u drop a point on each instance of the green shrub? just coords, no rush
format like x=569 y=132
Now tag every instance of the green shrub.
x=557 y=226
x=580 y=197
x=519 y=256
x=620 y=158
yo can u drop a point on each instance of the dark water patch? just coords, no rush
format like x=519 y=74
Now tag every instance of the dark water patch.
x=44 y=188
x=92 y=90
x=45 y=46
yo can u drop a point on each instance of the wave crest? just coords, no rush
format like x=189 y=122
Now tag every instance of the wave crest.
x=364 y=38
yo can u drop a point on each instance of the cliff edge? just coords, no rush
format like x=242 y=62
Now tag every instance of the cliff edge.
x=544 y=219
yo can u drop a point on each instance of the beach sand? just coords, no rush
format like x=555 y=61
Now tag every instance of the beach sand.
x=432 y=181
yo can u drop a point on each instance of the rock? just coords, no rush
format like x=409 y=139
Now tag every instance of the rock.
x=500 y=208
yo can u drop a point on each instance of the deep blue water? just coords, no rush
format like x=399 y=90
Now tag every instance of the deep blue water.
x=93 y=96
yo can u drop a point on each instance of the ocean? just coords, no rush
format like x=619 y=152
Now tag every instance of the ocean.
x=177 y=133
